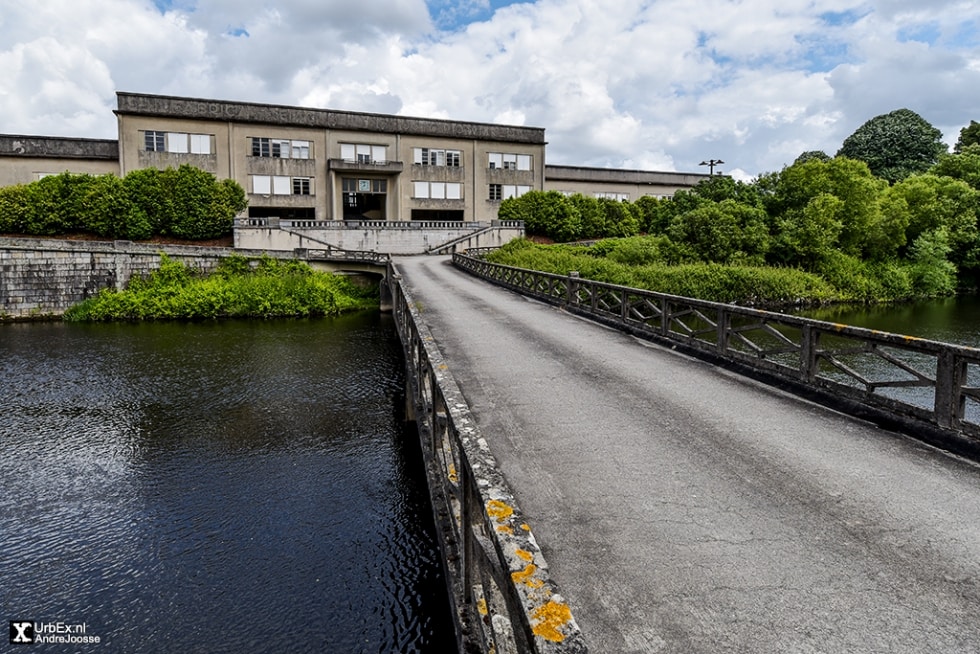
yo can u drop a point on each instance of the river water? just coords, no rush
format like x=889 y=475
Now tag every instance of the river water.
x=238 y=486
x=950 y=320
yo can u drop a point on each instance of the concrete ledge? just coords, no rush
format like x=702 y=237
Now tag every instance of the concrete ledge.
x=502 y=593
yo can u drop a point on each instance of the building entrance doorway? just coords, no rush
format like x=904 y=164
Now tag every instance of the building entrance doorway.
x=365 y=199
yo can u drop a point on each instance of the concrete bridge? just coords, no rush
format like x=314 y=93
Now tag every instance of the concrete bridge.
x=608 y=493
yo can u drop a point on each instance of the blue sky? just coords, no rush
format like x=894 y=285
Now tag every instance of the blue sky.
x=654 y=84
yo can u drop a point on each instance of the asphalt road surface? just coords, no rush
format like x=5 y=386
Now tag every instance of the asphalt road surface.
x=684 y=509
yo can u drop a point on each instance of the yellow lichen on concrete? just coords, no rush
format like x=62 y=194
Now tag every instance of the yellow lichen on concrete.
x=522 y=576
x=499 y=510
x=526 y=577
x=524 y=554
x=550 y=618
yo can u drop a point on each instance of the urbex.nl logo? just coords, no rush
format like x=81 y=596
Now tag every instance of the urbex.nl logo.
x=28 y=632
x=21 y=632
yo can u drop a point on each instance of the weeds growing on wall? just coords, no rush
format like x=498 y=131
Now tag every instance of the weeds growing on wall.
x=239 y=288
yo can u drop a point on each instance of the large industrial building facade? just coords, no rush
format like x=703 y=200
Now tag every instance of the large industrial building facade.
x=322 y=165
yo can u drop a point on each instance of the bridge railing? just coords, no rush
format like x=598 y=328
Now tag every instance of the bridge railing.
x=907 y=382
x=330 y=252
x=502 y=595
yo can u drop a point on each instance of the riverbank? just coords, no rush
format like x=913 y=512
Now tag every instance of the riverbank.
x=638 y=263
x=237 y=288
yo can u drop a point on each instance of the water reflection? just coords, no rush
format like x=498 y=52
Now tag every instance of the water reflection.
x=216 y=487
x=950 y=320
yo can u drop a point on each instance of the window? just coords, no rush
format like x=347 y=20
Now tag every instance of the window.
x=200 y=143
x=613 y=196
x=510 y=161
x=300 y=149
x=363 y=153
x=154 y=141
x=261 y=147
x=176 y=142
x=350 y=185
x=301 y=186
x=280 y=148
x=437 y=190
x=281 y=185
x=504 y=191
x=261 y=184
x=434 y=157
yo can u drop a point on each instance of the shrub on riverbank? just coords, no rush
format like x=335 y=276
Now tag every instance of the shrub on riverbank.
x=238 y=289
x=642 y=263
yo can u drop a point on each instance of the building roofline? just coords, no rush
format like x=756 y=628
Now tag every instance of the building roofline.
x=61 y=147
x=619 y=175
x=141 y=104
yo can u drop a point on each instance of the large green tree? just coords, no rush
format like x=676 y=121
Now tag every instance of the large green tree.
x=969 y=135
x=895 y=145
x=851 y=222
x=963 y=165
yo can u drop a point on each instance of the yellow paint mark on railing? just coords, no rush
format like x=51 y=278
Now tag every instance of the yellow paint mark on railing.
x=550 y=619
x=499 y=510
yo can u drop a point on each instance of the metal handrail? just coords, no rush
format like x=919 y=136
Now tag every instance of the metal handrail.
x=504 y=599
x=921 y=384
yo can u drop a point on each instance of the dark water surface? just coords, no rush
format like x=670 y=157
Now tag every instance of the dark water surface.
x=950 y=320
x=216 y=487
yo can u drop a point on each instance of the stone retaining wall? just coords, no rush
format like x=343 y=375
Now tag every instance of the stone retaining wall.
x=44 y=277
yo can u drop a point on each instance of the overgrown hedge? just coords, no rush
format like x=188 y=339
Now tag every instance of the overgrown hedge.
x=264 y=288
x=185 y=202
x=637 y=263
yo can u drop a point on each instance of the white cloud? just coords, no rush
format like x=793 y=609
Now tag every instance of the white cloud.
x=656 y=84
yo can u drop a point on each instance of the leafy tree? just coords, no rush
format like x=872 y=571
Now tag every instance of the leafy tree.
x=932 y=273
x=205 y=207
x=651 y=213
x=928 y=204
x=969 y=135
x=849 y=181
x=963 y=165
x=722 y=232
x=105 y=208
x=810 y=232
x=722 y=187
x=14 y=206
x=545 y=213
x=819 y=155
x=591 y=216
x=620 y=218
x=895 y=145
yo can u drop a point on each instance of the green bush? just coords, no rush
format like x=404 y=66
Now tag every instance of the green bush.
x=185 y=203
x=270 y=288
